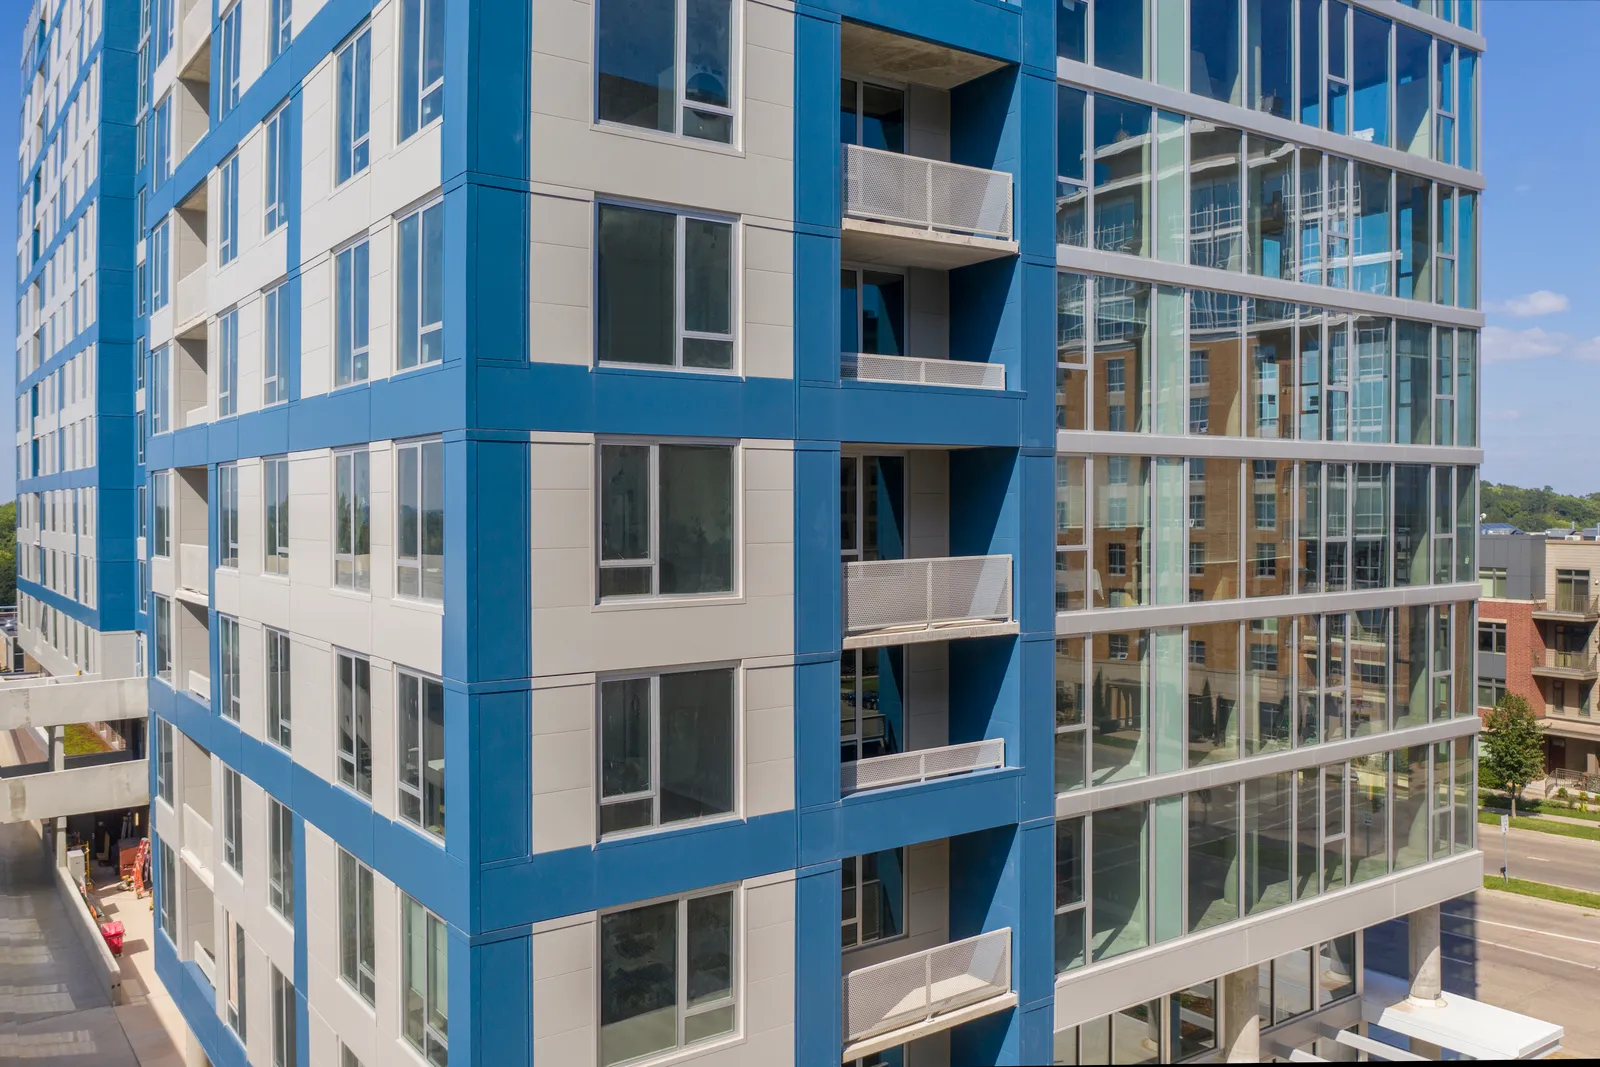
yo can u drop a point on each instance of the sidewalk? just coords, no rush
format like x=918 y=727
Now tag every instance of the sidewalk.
x=1568 y=819
x=148 y=1015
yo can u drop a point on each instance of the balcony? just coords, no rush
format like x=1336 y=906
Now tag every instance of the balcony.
x=1567 y=606
x=207 y=963
x=909 y=370
x=899 y=601
x=926 y=992
x=913 y=211
x=197 y=842
x=194 y=574
x=1581 y=665
x=194 y=38
x=922 y=765
x=190 y=301
x=200 y=687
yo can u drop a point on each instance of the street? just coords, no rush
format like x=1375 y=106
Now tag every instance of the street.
x=1526 y=955
x=1548 y=858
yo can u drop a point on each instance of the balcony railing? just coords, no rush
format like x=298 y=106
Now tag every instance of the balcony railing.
x=191 y=298
x=196 y=32
x=207 y=963
x=926 y=593
x=910 y=370
x=200 y=686
x=927 y=193
x=1584 y=661
x=198 y=416
x=197 y=837
x=878 y=772
x=917 y=987
x=194 y=569
x=1574 y=602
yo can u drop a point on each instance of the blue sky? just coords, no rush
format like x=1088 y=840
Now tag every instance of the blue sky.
x=1541 y=387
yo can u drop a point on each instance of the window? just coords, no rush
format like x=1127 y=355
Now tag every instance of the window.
x=1492 y=637
x=167 y=875
x=160 y=386
x=278 y=688
x=351 y=314
x=666 y=520
x=161 y=150
x=348 y=1058
x=228 y=193
x=280 y=859
x=228 y=55
x=873 y=905
x=355 y=723
x=283 y=1021
x=1071 y=906
x=357 y=955
x=228 y=364
x=666 y=975
x=665 y=288
x=421 y=282
x=275 y=509
x=1490 y=692
x=1117 y=646
x=160 y=279
x=227 y=515
x=163 y=627
x=666 y=749
x=352 y=553
x=422 y=64
x=419 y=495
x=161 y=491
x=275 y=350
x=422 y=751
x=164 y=760
x=228 y=654
x=1493 y=581
x=355 y=106
x=1197 y=653
x=666 y=65
x=280 y=27
x=277 y=165
x=1117 y=559
x=232 y=821
x=236 y=994
x=424 y=959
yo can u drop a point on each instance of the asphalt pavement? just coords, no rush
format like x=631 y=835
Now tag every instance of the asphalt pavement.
x=1566 y=861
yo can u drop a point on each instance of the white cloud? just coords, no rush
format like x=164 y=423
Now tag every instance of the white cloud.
x=1501 y=345
x=1532 y=305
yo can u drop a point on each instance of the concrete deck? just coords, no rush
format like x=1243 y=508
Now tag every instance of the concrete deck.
x=51 y=1006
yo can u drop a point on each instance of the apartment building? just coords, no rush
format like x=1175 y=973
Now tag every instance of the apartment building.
x=1536 y=638
x=707 y=441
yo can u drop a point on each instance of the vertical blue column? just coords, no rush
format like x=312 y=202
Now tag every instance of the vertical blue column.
x=818 y=1023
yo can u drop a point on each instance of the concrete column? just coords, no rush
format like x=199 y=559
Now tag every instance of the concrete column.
x=1427 y=975
x=57 y=741
x=1241 y=1021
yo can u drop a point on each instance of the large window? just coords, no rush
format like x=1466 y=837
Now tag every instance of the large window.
x=422 y=749
x=279 y=689
x=666 y=293
x=228 y=660
x=280 y=27
x=159 y=401
x=167 y=886
x=164 y=780
x=666 y=519
x=667 y=752
x=161 y=493
x=163 y=642
x=161 y=136
x=228 y=363
x=352 y=550
x=357 y=940
x=667 y=65
x=419 y=516
x=228 y=58
x=236 y=972
x=425 y=975
x=355 y=722
x=422 y=283
x=352 y=152
x=667 y=975
x=275 y=510
x=1492 y=637
x=160 y=272
x=873 y=905
x=228 y=515
x=352 y=314
x=277 y=165
x=275 y=345
x=421 y=64
x=232 y=820
x=283 y=1021
x=228 y=194
x=280 y=859
x=1071 y=904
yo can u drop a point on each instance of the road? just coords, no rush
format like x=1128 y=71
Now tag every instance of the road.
x=1526 y=955
x=1567 y=861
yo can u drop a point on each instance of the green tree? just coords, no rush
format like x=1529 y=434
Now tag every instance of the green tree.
x=8 y=552
x=1513 y=745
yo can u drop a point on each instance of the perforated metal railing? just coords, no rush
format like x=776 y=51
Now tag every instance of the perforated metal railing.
x=876 y=772
x=893 y=593
x=929 y=193
x=961 y=373
x=913 y=988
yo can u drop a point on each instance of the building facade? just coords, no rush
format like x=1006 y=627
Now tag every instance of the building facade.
x=1536 y=639
x=994 y=479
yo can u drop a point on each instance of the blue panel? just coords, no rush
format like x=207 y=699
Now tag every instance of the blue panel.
x=488 y=548
x=502 y=1000
x=904 y=815
x=502 y=776
x=817 y=1014
x=816 y=137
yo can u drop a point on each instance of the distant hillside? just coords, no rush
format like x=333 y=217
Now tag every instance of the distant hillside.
x=1537 y=510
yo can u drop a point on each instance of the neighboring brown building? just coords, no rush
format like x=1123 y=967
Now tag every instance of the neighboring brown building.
x=1538 y=624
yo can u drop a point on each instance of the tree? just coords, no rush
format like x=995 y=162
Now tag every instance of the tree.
x=1513 y=745
x=8 y=552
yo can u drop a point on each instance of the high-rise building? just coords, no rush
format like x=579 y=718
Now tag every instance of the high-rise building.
x=909 y=533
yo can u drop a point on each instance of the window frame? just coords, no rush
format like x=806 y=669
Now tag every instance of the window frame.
x=275 y=167
x=161 y=514
x=406 y=564
x=653 y=792
x=680 y=103
x=351 y=778
x=284 y=1037
x=419 y=331
x=228 y=702
x=162 y=625
x=228 y=363
x=349 y=574
x=232 y=821
x=345 y=274
x=417 y=792
x=228 y=515
x=278 y=43
x=164 y=762
x=275 y=344
x=653 y=557
x=228 y=81
x=412 y=909
x=349 y=160
x=228 y=193
x=362 y=980
x=859 y=886
x=415 y=66
x=234 y=995
x=274 y=516
x=279 y=688
x=280 y=859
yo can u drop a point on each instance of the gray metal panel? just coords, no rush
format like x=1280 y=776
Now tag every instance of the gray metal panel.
x=1492 y=665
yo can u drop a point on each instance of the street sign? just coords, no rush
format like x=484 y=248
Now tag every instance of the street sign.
x=1505 y=823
